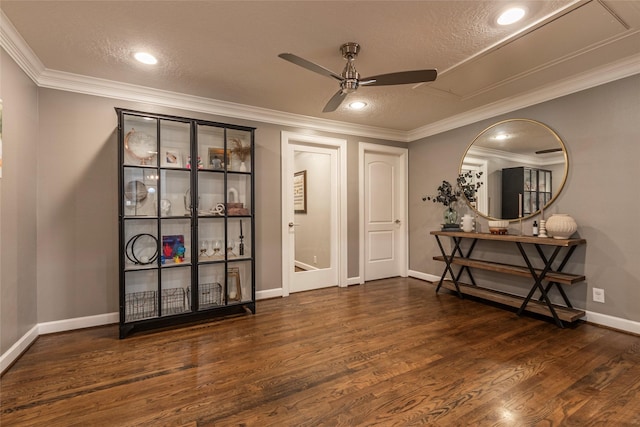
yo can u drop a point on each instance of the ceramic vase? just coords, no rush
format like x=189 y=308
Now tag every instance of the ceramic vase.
x=467 y=223
x=561 y=226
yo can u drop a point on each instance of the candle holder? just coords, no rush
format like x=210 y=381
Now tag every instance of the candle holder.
x=542 y=230
x=241 y=244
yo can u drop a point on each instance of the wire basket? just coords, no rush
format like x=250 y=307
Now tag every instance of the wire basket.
x=210 y=294
x=173 y=301
x=140 y=305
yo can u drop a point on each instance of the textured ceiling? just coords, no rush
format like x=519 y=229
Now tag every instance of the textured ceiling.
x=227 y=50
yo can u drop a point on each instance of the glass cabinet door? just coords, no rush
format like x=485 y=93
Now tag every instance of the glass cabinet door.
x=211 y=153
x=175 y=144
x=239 y=145
x=140 y=141
x=175 y=196
x=140 y=192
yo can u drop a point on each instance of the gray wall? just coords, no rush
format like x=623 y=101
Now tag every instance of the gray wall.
x=600 y=128
x=18 y=193
x=76 y=182
x=58 y=197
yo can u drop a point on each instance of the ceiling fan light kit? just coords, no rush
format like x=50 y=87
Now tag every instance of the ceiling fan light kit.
x=350 y=78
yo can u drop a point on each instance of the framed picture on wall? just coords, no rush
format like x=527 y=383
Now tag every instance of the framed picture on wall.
x=300 y=192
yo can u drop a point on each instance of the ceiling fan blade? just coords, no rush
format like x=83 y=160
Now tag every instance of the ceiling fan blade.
x=295 y=59
x=400 y=78
x=335 y=101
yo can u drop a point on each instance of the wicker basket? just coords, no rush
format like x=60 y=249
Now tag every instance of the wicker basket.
x=173 y=301
x=140 y=305
x=210 y=294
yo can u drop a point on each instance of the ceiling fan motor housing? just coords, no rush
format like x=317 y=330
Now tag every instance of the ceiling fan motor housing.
x=350 y=50
x=349 y=74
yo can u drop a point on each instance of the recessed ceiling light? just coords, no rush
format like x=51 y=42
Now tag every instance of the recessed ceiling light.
x=357 y=105
x=511 y=16
x=146 y=58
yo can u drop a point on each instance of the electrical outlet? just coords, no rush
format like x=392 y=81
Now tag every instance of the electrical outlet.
x=598 y=295
x=315 y=259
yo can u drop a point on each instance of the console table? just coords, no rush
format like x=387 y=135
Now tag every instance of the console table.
x=552 y=277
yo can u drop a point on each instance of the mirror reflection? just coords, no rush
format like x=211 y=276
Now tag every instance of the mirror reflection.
x=524 y=164
x=313 y=216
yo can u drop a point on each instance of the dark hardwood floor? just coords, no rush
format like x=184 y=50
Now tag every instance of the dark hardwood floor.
x=387 y=353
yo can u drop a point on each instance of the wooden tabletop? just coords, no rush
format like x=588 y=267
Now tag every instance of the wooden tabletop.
x=549 y=241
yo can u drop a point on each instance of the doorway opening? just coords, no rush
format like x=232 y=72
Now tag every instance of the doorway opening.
x=314 y=212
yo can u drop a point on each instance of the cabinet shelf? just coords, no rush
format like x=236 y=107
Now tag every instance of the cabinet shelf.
x=515 y=270
x=564 y=313
x=168 y=166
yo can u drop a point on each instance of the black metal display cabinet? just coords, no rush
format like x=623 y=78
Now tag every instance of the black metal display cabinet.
x=534 y=185
x=186 y=220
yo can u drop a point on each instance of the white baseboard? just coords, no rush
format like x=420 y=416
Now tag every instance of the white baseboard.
x=278 y=292
x=613 y=322
x=27 y=339
x=306 y=267
x=423 y=276
x=354 y=281
x=77 y=323
x=11 y=355
x=269 y=293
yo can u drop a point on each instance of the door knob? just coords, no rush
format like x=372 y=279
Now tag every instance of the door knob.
x=291 y=225
x=397 y=221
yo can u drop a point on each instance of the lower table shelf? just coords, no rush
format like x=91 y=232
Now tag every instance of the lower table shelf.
x=564 y=313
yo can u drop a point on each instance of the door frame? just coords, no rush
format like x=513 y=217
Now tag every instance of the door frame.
x=402 y=190
x=340 y=145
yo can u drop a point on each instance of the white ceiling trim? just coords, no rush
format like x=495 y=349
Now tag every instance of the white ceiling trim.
x=596 y=77
x=128 y=92
x=13 y=43
x=530 y=160
x=18 y=49
x=550 y=64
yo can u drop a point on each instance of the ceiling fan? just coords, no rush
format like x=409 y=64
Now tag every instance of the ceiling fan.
x=350 y=79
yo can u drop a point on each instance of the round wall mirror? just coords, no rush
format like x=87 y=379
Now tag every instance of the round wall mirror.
x=524 y=166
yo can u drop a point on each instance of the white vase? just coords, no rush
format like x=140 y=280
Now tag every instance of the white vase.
x=243 y=167
x=561 y=226
x=467 y=223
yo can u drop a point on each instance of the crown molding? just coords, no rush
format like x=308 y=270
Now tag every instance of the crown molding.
x=592 y=78
x=70 y=82
x=525 y=159
x=13 y=43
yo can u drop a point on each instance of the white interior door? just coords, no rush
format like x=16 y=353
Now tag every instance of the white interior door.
x=312 y=213
x=383 y=212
